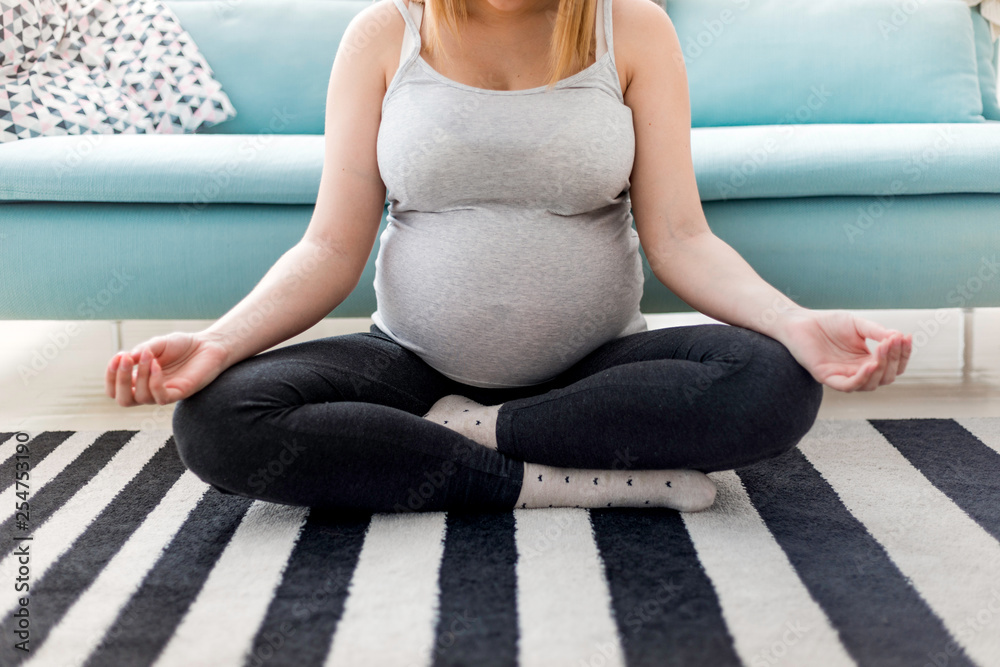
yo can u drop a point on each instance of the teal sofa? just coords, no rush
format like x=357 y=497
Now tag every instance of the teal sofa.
x=835 y=210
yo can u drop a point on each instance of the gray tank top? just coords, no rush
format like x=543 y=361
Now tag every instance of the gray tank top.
x=509 y=253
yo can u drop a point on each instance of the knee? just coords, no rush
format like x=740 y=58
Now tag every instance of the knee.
x=204 y=432
x=788 y=397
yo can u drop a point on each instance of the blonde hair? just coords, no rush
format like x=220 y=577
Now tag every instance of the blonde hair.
x=572 y=40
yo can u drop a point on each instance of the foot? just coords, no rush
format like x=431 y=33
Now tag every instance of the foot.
x=682 y=490
x=463 y=415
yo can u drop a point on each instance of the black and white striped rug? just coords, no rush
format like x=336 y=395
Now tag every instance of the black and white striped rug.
x=873 y=543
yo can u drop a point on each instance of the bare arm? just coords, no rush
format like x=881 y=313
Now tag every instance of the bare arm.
x=684 y=254
x=314 y=276
x=688 y=258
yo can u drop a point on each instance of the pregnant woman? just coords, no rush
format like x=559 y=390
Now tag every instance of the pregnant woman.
x=508 y=364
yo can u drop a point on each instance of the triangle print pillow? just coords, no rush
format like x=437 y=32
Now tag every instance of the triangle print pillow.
x=102 y=67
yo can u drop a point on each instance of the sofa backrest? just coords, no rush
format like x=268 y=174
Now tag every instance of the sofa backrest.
x=272 y=58
x=762 y=62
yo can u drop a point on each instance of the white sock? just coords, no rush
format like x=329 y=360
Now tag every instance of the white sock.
x=683 y=490
x=473 y=420
x=546 y=486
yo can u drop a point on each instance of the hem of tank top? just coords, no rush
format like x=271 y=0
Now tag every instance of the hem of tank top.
x=498 y=385
x=489 y=385
x=626 y=331
x=456 y=378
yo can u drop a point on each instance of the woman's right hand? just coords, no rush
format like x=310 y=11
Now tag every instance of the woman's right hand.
x=170 y=368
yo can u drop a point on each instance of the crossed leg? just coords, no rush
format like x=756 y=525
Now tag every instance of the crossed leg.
x=337 y=422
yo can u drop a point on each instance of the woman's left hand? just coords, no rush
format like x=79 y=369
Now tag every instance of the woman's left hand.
x=831 y=346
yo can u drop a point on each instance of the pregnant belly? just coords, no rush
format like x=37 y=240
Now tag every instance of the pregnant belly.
x=507 y=306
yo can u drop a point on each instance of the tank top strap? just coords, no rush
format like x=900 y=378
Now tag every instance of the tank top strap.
x=602 y=44
x=411 y=38
x=605 y=33
x=609 y=28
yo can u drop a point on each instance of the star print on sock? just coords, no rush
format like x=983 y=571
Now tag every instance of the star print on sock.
x=616 y=488
x=457 y=413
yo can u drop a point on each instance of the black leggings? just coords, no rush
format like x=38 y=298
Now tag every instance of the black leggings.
x=337 y=422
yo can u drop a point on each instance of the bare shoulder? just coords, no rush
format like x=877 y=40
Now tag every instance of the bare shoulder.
x=373 y=20
x=642 y=32
x=375 y=35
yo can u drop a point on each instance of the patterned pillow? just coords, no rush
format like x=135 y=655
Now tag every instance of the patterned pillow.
x=102 y=67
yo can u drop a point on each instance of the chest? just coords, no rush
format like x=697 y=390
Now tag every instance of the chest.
x=568 y=150
x=503 y=70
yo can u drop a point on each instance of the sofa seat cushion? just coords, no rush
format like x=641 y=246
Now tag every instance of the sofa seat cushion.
x=198 y=169
x=779 y=161
x=741 y=162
